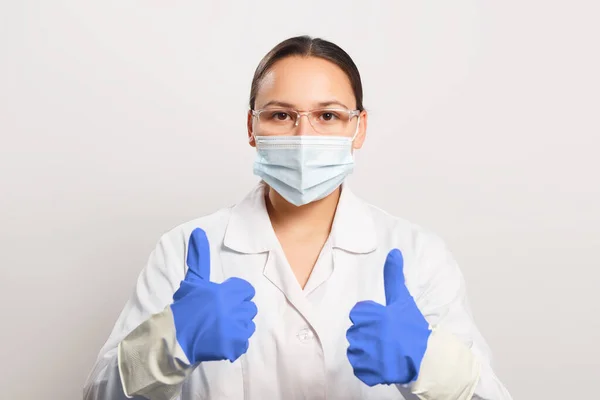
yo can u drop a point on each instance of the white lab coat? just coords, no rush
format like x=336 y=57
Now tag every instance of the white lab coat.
x=299 y=348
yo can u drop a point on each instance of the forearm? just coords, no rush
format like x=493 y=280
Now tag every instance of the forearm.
x=150 y=361
x=451 y=370
x=147 y=364
x=104 y=383
x=489 y=386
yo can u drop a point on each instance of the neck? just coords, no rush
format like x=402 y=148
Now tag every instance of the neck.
x=313 y=218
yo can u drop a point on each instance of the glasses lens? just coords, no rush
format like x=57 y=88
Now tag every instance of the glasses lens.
x=331 y=121
x=276 y=121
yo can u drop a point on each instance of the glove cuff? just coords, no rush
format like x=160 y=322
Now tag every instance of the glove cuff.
x=151 y=362
x=449 y=369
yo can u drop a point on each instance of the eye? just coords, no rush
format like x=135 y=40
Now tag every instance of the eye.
x=328 y=116
x=279 y=116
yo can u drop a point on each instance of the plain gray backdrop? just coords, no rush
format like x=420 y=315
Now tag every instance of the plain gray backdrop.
x=122 y=119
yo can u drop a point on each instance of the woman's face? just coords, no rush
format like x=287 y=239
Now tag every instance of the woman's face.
x=303 y=84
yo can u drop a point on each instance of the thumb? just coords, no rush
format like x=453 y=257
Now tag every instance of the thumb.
x=198 y=257
x=393 y=277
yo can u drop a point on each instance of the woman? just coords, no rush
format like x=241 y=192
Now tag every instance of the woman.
x=301 y=290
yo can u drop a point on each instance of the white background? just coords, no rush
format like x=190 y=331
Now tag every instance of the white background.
x=122 y=119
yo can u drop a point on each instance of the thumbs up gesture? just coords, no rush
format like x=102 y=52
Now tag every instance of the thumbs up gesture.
x=212 y=321
x=387 y=343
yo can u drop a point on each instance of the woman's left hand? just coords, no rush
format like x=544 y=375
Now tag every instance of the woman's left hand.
x=387 y=343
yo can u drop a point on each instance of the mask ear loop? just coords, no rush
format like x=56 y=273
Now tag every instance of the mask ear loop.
x=357 y=127
x=252 y=136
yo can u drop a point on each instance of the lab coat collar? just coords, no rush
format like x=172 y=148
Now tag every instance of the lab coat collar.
x=250 y=231
x=353 y=227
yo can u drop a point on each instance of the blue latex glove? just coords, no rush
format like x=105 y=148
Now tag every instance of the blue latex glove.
x=212 y=321
x=387 y=343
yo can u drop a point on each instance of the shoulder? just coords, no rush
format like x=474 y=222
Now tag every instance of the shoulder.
x=426 y=254
x=214 y=224
x=400 y=231
x=429 y=266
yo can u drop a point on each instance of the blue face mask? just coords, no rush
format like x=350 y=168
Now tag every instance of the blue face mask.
x=303 y=169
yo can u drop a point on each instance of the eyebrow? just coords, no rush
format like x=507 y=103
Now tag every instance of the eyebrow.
x=333 y=103
x=290 y=105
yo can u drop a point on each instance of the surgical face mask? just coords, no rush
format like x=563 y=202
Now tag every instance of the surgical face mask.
x=303 y=169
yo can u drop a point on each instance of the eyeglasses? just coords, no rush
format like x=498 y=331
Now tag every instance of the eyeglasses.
x=325 y=121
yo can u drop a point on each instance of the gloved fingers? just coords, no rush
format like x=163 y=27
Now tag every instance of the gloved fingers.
x=368 y=378
x=234 y=353
x=362 y=368
x=355 y=349
x=393 y=278
x=238 y=290
x=198 y=257
x=246 y=311
x=241 y=350
x=243 y=332
x=184 y=289
x=357 y=356
x=365 y=311
x=410 y=371
x=361 y=337
x=250 y=328
x=242 y=329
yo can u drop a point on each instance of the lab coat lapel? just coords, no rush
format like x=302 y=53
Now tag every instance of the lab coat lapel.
x=252 y=248
x=353 y=228
x=249 y=229
x=353 y=232
x=279 y=273
x=248 y=239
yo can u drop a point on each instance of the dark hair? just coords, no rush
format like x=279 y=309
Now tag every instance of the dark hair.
x=306 y=46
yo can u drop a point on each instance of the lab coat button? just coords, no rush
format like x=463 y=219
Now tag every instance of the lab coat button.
x=304 y=335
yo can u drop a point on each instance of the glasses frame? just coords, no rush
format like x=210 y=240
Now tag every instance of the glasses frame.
x=300 y=114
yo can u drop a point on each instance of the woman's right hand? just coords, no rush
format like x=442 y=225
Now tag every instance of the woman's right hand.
x=212 y=321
